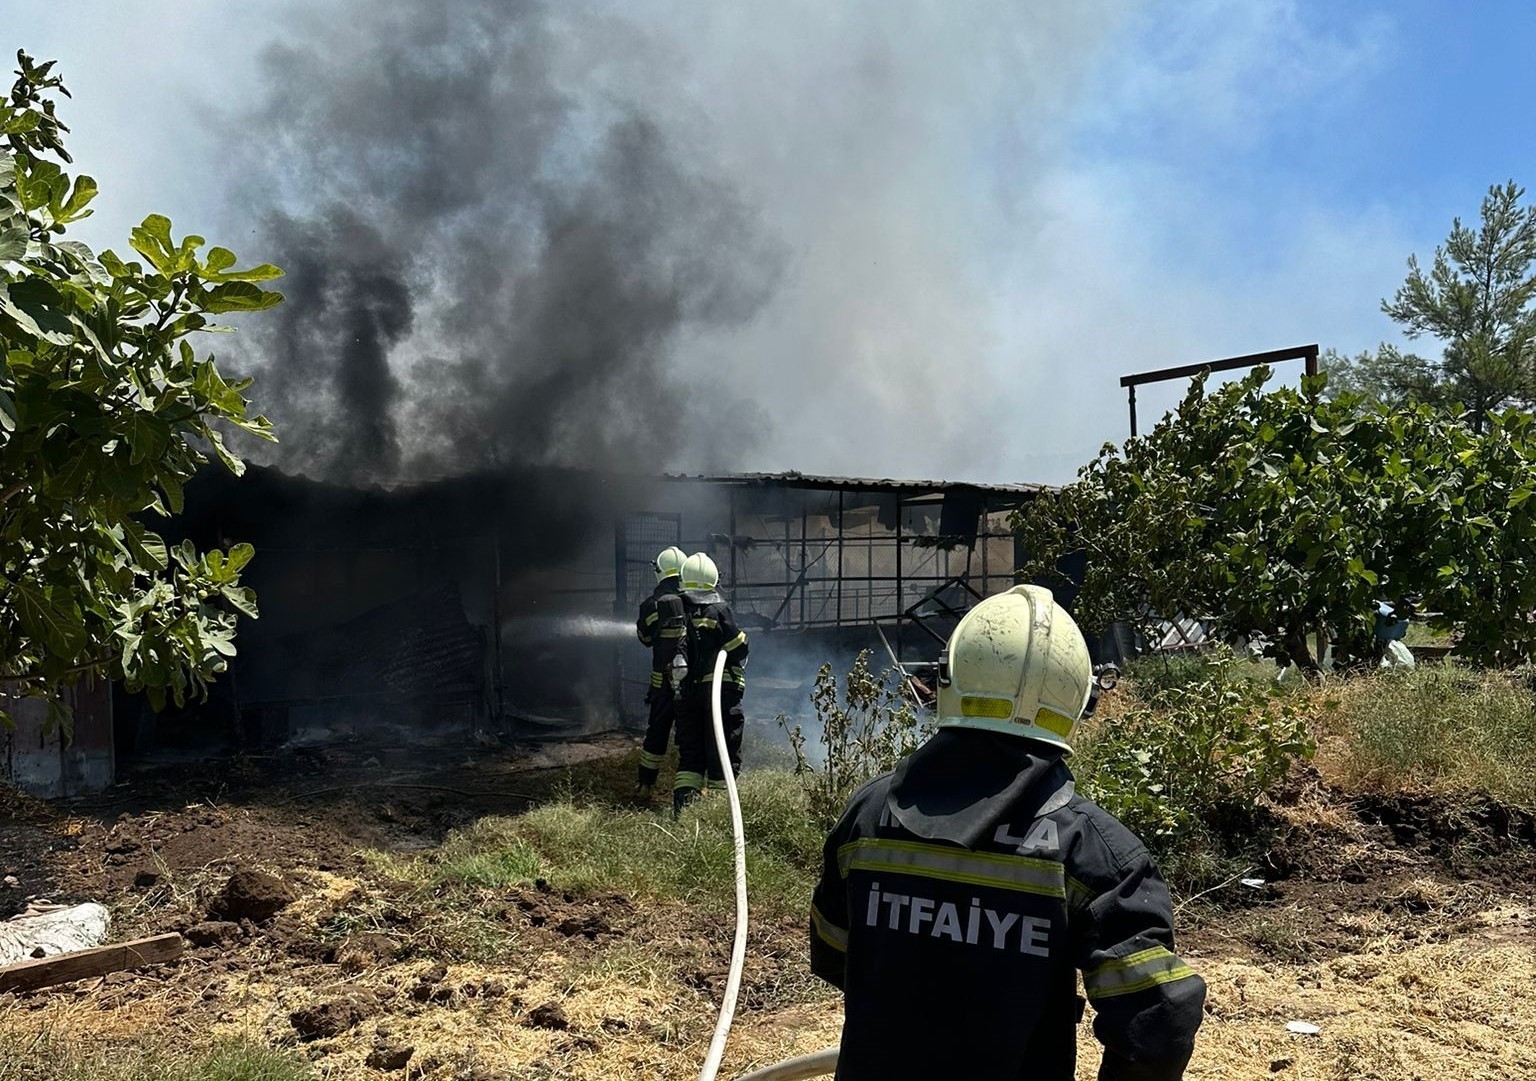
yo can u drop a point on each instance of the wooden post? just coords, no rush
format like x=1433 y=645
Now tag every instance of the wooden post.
x=82 y=964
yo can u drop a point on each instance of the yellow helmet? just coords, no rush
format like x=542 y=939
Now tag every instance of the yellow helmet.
x=700 y=572
x=668 y=563
x=1017 y=663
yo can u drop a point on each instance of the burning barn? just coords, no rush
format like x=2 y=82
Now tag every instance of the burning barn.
x=500 y=603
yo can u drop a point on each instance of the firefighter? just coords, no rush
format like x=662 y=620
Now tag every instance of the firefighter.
x=961 y=894
x=660 y=629
x=710 y=627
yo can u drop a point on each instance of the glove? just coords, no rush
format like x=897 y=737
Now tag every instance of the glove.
x=650 y=696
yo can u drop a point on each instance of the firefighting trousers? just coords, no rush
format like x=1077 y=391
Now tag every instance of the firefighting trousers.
x=697 y=756
x=658 y=731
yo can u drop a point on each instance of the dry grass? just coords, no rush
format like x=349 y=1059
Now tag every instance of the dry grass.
x=1440 y=983
x=1437 y=728
x=1452 y=1011
x=1390 y=1008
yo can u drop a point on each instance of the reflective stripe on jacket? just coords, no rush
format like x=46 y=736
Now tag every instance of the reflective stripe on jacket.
x=660 y=627
x=711 y=628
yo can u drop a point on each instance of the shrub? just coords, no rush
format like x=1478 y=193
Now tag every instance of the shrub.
x=1184 y=770
x=865 y=731
x=1155 y=675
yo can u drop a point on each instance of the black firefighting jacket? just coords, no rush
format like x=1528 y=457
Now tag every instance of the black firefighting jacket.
x=711 y=627
x=660 y=627
x=959 y=897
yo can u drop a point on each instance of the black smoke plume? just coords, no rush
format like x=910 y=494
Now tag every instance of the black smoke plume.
x=488 y=260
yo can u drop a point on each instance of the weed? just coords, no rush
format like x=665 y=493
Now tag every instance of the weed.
x=1281 y=939
x=865 y=731
x=590 y=849
x=1442 y=727
x=488 y=853
x=48 y=1057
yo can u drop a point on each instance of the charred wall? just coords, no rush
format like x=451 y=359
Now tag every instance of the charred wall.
x=502 y=601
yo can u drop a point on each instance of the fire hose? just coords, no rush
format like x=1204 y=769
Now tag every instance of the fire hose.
x=822 y=1062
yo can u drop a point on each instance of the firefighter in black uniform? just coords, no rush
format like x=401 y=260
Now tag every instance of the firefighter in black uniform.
x=710 y=628
x=660 y=629
x=961 y=894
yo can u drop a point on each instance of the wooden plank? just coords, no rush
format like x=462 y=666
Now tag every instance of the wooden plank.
x=82 y=964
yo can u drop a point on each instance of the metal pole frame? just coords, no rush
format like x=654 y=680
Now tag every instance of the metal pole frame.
x=1306 y=353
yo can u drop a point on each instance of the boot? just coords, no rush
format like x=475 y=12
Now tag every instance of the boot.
x=681 y=798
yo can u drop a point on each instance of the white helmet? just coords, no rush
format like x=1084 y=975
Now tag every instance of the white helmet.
x=700 y=572
x=668 y=563
x=1017 y=663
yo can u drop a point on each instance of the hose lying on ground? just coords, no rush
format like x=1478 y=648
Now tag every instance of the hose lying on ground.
x=739 y=947
x=819 y=1064
x=822 y=1062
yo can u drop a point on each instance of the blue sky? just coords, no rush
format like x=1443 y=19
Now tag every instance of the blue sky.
x=990 y=210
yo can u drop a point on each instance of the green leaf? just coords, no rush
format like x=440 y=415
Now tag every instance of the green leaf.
x=147 y=547
x=148 y=436
x=185 y=554
x=152 y=240
x=131 y=641
x=21 y=123
x=42 y=619
x=102 y=417
x=115 y=266
x=87 y=260
x=72 y=480
x=158 y=226
x=262 y=273
x=239 y=556
x=219 y=259
x=74 y=208
x=231 y=462
x=13 y=243
x=243 y=600
x=38 y=308
x=238 y=296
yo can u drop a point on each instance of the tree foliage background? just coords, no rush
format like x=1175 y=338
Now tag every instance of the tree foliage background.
x=1281 y=513
x=1478 y=299
x=106 y=410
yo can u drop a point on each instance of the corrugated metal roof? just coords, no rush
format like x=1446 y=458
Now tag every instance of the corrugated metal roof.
x=794 y=479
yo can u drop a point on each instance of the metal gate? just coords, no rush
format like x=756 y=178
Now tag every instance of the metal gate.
x=636 y=541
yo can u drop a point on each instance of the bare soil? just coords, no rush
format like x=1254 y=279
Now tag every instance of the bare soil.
x=1403 y=928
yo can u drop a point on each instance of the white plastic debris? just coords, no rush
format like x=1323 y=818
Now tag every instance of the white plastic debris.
x=44 y=932
x=1302 y=1028
x=1252 y=883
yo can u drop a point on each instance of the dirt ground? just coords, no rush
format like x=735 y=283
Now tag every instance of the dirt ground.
x=1404 y=930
